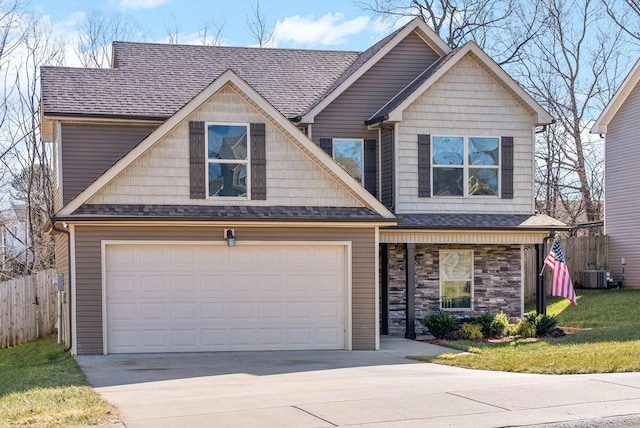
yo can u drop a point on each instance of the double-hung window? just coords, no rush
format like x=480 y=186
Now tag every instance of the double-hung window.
x=456 y=280
x=348 y=153
x=227 y=170
x=465 y=166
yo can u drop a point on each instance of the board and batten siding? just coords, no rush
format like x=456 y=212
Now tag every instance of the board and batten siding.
x=622 y=157
x=90 y=149
x=466 y=102
x=386 y=167
x=345 y=116
x=161 y=175
x=88 y=285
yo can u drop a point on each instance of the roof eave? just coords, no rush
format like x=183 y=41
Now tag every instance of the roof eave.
x=486 y=228
x=93 y=218
x=629 y=83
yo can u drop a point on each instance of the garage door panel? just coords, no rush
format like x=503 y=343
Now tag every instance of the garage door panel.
x=153 y=311
x=152 y=257
x=212 y=284
x=151 y=284
x=244 y=298
x=183 y=285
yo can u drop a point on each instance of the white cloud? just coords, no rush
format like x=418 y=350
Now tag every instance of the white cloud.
x=328 y=30
x=142 y=4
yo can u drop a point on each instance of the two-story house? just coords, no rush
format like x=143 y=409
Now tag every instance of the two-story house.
x=225 y=198
x=619 y=123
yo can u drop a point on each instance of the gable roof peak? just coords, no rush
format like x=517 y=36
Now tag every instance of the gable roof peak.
x=621 y=95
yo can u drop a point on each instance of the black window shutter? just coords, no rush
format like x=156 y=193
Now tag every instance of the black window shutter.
x=424 y=166
x=507 y=168
x=326 y=144
x=197 y=162
x=370 y=158
x=258 y=162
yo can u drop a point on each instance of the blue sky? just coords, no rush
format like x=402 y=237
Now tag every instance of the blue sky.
x=314 y=24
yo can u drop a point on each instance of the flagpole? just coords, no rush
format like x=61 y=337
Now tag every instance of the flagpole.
x=541 y=293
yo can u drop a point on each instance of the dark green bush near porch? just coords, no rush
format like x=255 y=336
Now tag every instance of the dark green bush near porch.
x=492 y=325
x=542 y=322
x=441 y=323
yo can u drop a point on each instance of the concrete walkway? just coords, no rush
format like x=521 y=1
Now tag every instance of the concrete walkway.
x=355 y=389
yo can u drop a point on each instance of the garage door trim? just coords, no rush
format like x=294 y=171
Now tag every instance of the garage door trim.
x=348 y=272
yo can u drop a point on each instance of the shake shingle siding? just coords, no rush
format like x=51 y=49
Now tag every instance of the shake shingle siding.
x=89 y=150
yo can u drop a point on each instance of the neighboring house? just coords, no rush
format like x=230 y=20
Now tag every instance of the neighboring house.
x=175 y=149
x=620 y=123
x=13 y=239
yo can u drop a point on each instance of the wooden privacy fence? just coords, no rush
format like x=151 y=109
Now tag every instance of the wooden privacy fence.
x=21 y=319
x=581 y=252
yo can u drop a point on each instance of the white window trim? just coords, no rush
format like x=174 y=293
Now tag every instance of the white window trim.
x=359 y=140
x=229 y=161
x=471 y=281
x=466 y=166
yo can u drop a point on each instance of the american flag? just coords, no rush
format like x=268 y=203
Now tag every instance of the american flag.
x=561 y=281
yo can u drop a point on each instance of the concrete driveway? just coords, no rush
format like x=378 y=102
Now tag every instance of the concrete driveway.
x=355 y=389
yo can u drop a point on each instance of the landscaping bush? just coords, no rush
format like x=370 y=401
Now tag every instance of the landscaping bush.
x=471 y=331
x=499 y=325
x=524 y=328
x=492 y=325
x=484 y=321
x=543 y=323
x=454 y=335
x=441 y=323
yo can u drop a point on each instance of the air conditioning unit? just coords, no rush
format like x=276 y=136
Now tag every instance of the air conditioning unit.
x=597 y=279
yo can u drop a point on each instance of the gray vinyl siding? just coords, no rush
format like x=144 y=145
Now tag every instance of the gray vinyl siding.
x=62 y=266
x=386 y=167
x=622 y=205
x=89 y=270
x=90 y=149
x=344 y=118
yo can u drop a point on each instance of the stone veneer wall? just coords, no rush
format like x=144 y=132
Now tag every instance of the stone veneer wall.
x=497 y=282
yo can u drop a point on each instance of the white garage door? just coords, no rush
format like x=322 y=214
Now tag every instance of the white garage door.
x=187 y=298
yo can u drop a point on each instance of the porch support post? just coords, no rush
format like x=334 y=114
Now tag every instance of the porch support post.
x=411 y=291
x=384 y=289
x=541 y=293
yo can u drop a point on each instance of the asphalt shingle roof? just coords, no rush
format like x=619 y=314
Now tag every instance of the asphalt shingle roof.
x=155 y=80
x=203 y=212
x=478 y=221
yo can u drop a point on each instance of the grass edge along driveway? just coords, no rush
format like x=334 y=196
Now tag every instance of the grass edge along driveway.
x=611 y=343
x=42 y=386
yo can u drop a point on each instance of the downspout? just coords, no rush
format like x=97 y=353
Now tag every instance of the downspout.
x=69 y=294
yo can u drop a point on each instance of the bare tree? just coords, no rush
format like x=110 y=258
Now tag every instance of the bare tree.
x=97 y=33
x=625 y=14
x=500 y=27
x=28 y=160
x=173 y=30
x=258 y=26
x=211 y=34
x=568 y=69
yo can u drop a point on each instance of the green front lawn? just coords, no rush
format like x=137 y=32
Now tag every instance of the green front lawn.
x=610 y=344
x=41 y=386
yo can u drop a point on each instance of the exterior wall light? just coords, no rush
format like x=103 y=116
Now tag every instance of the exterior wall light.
x=231 y=239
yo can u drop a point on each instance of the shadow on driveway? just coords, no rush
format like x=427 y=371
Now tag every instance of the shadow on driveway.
x=124 y=369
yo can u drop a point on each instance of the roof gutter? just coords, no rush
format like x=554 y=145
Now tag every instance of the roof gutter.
x=174 y=219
